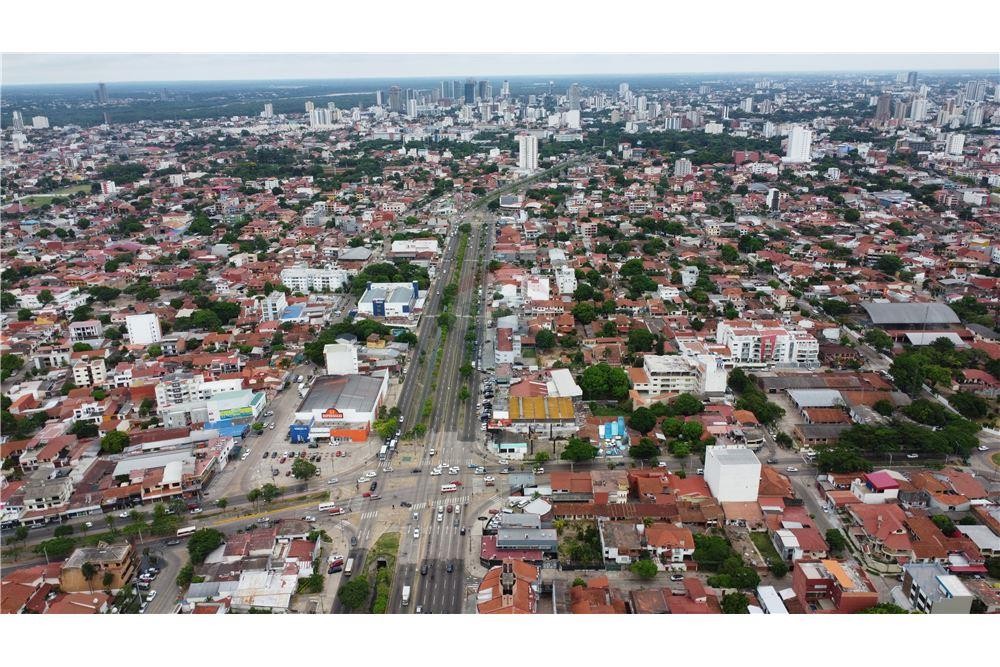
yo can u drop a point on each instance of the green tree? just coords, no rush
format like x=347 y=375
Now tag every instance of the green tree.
x=221 y=503
x=89 y=571
x=969 y=405
x=884 y=608
x=354 y=593
x=642 y=420
x=545 y=340
x=878 y=339
x=541 y=457
x=62 y=530
x=584 y=313
x=944 y=523
x=644 y=569
x=269 y=492
x=203 y=542
x=10 y=364
x=889 y=264
x=735 y=603
x=778 y=568
x=645 y=450
x=578 y=450
x=729 y=254
x=185 y=575
x=835 y=540
x=672 y=426
x=601 y=381
x=302 y=469
x=114 y=442
x=463 y=394
x=45 y=297
x=640 y=340
x=56 y=548
x=686 y=404
x=692 y=430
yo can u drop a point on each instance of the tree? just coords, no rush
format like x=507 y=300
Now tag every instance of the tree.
x=203 y=542
x=944 y=523
x=883 y=406
x=645 y=450
x=45 y=297
x=107 y=580
x=584 y=313
x=541 y=457
x=114 y=442
x=269 y=492
x=601 y=381
x=852 y=215
x=878 y=339
x=884 y=608
x=463 y=394
x=579 y=581
x=735 y=603
x=672 y=426
x=710 y=551
x=10 y=364
x=221 y=503
x=185 y=575
x=842 y=459
x=63 y=530
x=354 y=593
x=56 y=548
x=835 y=540
x=686 y=404
x=21 y=534
x=969 y=405
x=889 y=264
x=578 y=450
x=89 y=571
x=778 y=568
x=729 y=254
x=642 y=420
x=640 y=340
x=644 y=569
x=302 y=469
x=545 y=340
x=692 y=430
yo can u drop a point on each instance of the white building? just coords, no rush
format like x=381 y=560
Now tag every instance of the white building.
x=682 y=167
x=732 y=473
x=955 y=144
x=186 y=388
x=90 y=371
x=306 y=279
x=565 y=280
x=143 y=329
x=799 y=145
x=40 y=122
x=341 y=359
x=272 y=306
x=268 y=111
x=761 y=344
x=678 y=374
x=527 y=152
x=389 y=299
x=536 y=288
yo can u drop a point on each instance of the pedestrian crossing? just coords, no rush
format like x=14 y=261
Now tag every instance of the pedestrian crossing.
x=371 y=514
x=449 y=499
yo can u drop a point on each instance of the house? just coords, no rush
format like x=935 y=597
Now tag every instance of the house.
x=120 y=561
x=832 y=587
x=932 y=590
x=670 y=543
x=509 y=588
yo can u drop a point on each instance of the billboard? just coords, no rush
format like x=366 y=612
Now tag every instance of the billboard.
x=236 y=413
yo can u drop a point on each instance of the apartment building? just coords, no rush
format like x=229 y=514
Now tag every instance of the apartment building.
x=677 y=374
x=761 y=344
x=305 y=279
x=143 y=329
x=90 y=371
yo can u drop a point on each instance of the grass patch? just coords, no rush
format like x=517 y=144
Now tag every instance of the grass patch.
x=765 y=547
x=996 y=459
x=387 y=547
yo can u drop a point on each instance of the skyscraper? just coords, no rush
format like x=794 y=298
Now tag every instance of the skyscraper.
x=918 y=110
x=395 y=99
x=682 y=167
x=310 y=105
x=955 y=144
x=378 y=98
x=268 y=111
x=527 y=152
x=101 y=93
x=505 y=89
x=799 y=144
x=911 y=79
x=470 y=91
x=883 y=107
x=573 y=96
x=17 y=121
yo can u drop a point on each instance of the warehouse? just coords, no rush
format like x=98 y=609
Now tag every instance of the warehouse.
x=339 y=408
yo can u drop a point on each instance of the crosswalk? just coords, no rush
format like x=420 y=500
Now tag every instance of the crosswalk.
x=449 y=499
x=371 y=514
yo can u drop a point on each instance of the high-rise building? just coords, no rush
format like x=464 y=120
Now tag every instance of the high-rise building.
x=470 y=91
x=773 y=198
x=319 y=118
x=746 y=106
x=17 y=122
x=395 y=99
x=505 y=89
x=39 y=122
x=918 y=110
x=527 y=152
x=143 y=329
x=911 y=79
x=101 y=93
x=573 y=96
x=268 y=111
x=622 y=89
x=411 y=108
x=975 y=116
x=485 y=90
x=883 y=108
x=955 y=144
x=378 y=98
x=799 y=144
x=901 y=111
x=310 y=105
x=769 y=130
x=682 y=167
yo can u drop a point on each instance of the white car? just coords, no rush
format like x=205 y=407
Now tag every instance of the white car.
x=539 y=471
x=489 y=478
x=388 y=469
x=123 y=515
x=913 y=456
x=362 y=480
x=435 y=472
x=370 y=474
x=416 y=533
x=309 y=518
x=197 y=510
x=431 y=452
x=791 y=469
x=453 y=471
x=151 y=596
x=983 y=448
x=332 y=480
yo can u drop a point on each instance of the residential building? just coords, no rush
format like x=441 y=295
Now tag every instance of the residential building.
x=931 y=589
x=143 y=329
x=732 y=473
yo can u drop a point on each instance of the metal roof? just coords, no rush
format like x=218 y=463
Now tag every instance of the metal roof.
x=910 y=313
x=344 y=392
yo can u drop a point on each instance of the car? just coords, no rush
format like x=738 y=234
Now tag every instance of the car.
x=661 y=464
x=362 y=480
x=791 y=469
x=375 y=496
x=173 y=542
x=332 y=480
x=420 y=609
x=196 y=510
x=772 y=461
x=700 y=471
x=450 y=568
x=913 y=456
x=123 y=515
x=450 y=508
x=338 y=453
x=275 y=472
x=269 y=413
x=443 y=465
x=288 y=473
x=370 y=474
x=539 y=470
x=677 y=577
x=354 y=541
x=440 y=517
x=983 y=448
x=462 y=531
x=151 y=596
x=431 y=452
x=373 y=486
x=366 y=494
x=416 y=533
x=405 y=503
x=335 y=557
x=456 y=482
x=271 y=426
x=416 y=470
x=310 y=518
x=334 y=568
x=489 y=478
x=388 y=469
x=505 y=471
x=336 y=511
x=283 y=459
x=435 y=472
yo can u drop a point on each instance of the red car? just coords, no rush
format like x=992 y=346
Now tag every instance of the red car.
x=366 y=494
x=457 y=483
x=450 y=508
x=340 y=453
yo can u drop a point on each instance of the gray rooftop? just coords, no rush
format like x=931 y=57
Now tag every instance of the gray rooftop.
x=345 y=392
x=910 y=313
x=735 y=456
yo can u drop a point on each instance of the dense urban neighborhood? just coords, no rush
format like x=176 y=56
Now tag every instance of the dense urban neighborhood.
x=668 y=345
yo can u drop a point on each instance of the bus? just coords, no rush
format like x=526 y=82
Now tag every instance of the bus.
x=326 y=507
x=187 y=531
x=349 y=568
x=383 y=452
x=449 y=488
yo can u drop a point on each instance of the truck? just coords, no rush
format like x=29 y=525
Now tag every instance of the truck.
x=406 y=595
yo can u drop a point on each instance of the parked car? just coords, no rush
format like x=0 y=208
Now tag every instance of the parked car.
x=677 y=577
x=913 y=456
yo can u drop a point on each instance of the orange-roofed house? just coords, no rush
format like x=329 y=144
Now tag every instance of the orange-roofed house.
x=509 y=588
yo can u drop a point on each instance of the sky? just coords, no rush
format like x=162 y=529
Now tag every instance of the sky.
x=120 y=67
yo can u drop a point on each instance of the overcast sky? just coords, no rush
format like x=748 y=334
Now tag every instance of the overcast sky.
x=89 y=68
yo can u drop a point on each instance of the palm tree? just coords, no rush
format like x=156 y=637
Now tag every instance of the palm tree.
x=89 y=570
x=107 y=580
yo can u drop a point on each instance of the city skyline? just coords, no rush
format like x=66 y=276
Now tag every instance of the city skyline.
x=54 y=69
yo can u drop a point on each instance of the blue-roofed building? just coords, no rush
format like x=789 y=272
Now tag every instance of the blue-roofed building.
x=612 y=438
